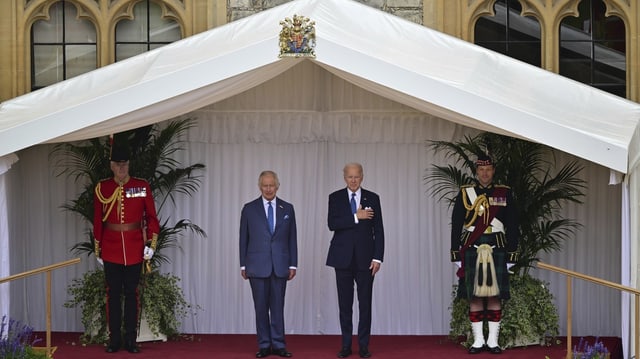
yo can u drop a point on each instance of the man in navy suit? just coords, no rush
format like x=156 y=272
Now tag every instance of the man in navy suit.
x=356 y=253
x=268 y=258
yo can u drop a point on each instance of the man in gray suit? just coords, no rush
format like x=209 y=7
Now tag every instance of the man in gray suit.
x=268 y=258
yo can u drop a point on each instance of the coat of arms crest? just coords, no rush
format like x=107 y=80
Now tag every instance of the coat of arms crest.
x=297 y=37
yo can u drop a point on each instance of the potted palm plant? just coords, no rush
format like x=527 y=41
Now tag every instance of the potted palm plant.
x=162 y=300
x=539 y=190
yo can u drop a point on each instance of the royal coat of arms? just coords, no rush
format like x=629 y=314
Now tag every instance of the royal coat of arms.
x=297 y=37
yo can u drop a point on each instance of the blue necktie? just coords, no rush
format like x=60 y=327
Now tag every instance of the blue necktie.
x=270 y=217
x=353 y=203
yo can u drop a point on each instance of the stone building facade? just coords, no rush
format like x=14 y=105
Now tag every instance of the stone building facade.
x=455 y=17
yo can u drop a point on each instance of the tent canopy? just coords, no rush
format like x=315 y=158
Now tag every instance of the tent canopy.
x=400 y=60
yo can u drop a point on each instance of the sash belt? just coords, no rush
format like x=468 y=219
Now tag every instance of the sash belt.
x=489 y=229
x=122 y=227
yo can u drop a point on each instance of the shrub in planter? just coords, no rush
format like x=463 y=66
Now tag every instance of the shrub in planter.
x=162 y=301
x=89 y=294
x=529 y=317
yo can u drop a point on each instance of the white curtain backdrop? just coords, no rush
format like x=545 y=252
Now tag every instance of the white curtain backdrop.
x=306 y=124
x=5 y=165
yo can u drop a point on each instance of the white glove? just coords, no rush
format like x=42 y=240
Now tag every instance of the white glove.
x=458 y=263
x=100 y=261
x=148 y=253
x=509 y=265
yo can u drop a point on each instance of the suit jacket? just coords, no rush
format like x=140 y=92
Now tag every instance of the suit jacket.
x=362 y=241
x=262 y=253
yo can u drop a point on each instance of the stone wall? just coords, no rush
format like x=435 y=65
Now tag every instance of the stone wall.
x=408 y=9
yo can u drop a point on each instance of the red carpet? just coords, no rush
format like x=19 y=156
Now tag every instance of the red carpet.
x=226 y=346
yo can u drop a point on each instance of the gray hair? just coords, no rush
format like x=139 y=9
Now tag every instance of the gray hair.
x=268 y=174
x=352 y=164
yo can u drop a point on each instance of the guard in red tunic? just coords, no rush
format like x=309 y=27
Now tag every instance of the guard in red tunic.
x=123 y=209
x=484 y=244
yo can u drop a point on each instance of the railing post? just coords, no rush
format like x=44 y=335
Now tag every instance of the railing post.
x=47 y=270
x=637 y=327
x=569 y=315
x=49 y=353
x=570 y=274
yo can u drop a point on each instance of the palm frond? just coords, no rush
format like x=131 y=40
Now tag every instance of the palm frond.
x=183 y=181
x=444 y=182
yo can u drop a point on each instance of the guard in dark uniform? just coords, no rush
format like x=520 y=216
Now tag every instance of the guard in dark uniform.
x=484 y=244
x=123 y=209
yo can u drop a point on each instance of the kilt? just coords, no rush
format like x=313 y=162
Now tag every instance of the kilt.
x=465 y=285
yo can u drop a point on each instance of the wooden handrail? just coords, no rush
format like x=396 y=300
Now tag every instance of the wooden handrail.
x=40 y=270
x=571 y=274
x=46 y=270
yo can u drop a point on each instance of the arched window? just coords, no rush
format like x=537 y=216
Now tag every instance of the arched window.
x=61 y=47
x=148 y=30
x=592 y=48
x=510 y=33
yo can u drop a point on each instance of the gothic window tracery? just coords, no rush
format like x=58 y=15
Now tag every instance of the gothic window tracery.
x=62 y=46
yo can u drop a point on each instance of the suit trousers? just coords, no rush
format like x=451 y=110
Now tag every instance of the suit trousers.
x=268 y=300
x=363 y=279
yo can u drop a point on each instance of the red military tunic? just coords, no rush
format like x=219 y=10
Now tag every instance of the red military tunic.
x=118 y=216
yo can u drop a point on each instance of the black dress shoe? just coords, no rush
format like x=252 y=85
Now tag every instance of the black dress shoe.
x=112 y=348
x=132 y=348
x=474 y=350
x=344 y=352
x=364 y=353
x=495 y=350
x=263 y=353
x=282 y=352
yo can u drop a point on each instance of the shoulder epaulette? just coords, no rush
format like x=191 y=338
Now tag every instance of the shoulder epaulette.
x=503 y=186
x=468 y=185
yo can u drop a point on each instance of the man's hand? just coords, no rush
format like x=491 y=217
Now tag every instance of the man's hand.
x=366 y=213
x=100 y=261
x=148 y=253
x=458 y=263
x=374 y=267
x=243 y=273
x=292 y=273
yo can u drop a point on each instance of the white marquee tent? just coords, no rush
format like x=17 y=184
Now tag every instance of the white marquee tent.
x=396 y=61
x=394 y=58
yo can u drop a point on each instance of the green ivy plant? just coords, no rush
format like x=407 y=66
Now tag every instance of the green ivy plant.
x=165 y=305
x=528 y=317
x=152 y=147
x=162 y=300
x=89 y=294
